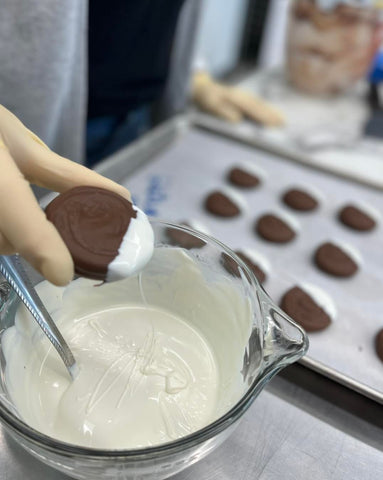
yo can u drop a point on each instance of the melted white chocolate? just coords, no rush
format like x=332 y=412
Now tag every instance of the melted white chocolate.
x=135 y=250
x=147 y=374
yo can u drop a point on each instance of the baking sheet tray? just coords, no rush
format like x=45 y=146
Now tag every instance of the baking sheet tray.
x=173 y=185
x=327 y=133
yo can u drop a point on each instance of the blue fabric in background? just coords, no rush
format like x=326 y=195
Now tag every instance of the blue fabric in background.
x=129 y=47
x=376 y=72
x=105 y=135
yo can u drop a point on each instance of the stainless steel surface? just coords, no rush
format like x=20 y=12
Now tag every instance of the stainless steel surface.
x=277 y=440
x=256 y=139
x=142 y=151
x=342 y=379
x=14 y=273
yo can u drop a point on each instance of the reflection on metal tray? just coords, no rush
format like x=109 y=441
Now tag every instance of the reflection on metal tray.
x=363 y=165
x=178 y=164
x=324 y=132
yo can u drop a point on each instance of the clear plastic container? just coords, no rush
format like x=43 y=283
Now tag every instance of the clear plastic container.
x=273 y=342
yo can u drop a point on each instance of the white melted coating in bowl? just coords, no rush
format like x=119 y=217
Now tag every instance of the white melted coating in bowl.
x=151 y=368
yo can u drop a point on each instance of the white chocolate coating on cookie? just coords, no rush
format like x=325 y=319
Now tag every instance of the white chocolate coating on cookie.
x=235 y=197
x=351 y=251
x=135 y=251
x=320 y=297
x=251 y=168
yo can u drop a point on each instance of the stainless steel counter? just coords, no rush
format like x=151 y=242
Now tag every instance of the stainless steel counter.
x=288 y=433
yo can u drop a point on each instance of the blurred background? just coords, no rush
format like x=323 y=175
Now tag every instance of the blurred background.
x=319 y=62
x=249 y=33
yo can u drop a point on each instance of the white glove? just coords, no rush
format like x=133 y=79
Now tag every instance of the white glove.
x=231 y=103
x=24 y=229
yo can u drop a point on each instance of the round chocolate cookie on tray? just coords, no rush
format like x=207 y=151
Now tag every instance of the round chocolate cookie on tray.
x=300 y=200
x=245 y=176
x=309 y=306
x=358 y=219
x=338 y=260
x=275 y=228
x=224 y=203
x=108 y=237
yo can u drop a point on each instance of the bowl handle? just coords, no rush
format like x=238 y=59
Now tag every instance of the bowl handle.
x=284 y=341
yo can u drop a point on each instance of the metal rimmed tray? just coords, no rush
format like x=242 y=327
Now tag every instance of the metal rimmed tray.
x=163 y=171
x=324 y=132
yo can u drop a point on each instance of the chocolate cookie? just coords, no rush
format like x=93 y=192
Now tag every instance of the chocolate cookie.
x=184 y=239
x=379 y=344
x=353 y=217
x=218 y=203
x=335 y=261
x=300 y=200
x=93 y=222
x=302 y=308
x=241 y=178
x=231 y=265
x=274 y=229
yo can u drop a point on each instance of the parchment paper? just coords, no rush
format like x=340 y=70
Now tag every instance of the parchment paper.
x=320 y=131
x=174 y=185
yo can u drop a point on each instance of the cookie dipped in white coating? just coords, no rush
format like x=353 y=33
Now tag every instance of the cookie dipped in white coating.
x=135 y=251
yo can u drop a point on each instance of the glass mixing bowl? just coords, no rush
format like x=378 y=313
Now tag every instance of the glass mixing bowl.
x=272 y=341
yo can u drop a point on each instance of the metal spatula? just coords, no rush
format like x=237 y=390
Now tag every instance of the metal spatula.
x=14 y=273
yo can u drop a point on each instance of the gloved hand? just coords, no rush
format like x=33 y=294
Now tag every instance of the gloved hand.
x=231 y=103
x=24 y=229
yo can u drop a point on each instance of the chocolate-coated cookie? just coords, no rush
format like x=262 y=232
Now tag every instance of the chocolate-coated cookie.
x=302 y=308
x=232 y=267
x=300 y=200
x=353 y=217
x=184 y=239
x=92 y=222
x=379 y=344
x=242 y=178
x=218 y=203
x=335 y=261
x=274 y=229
